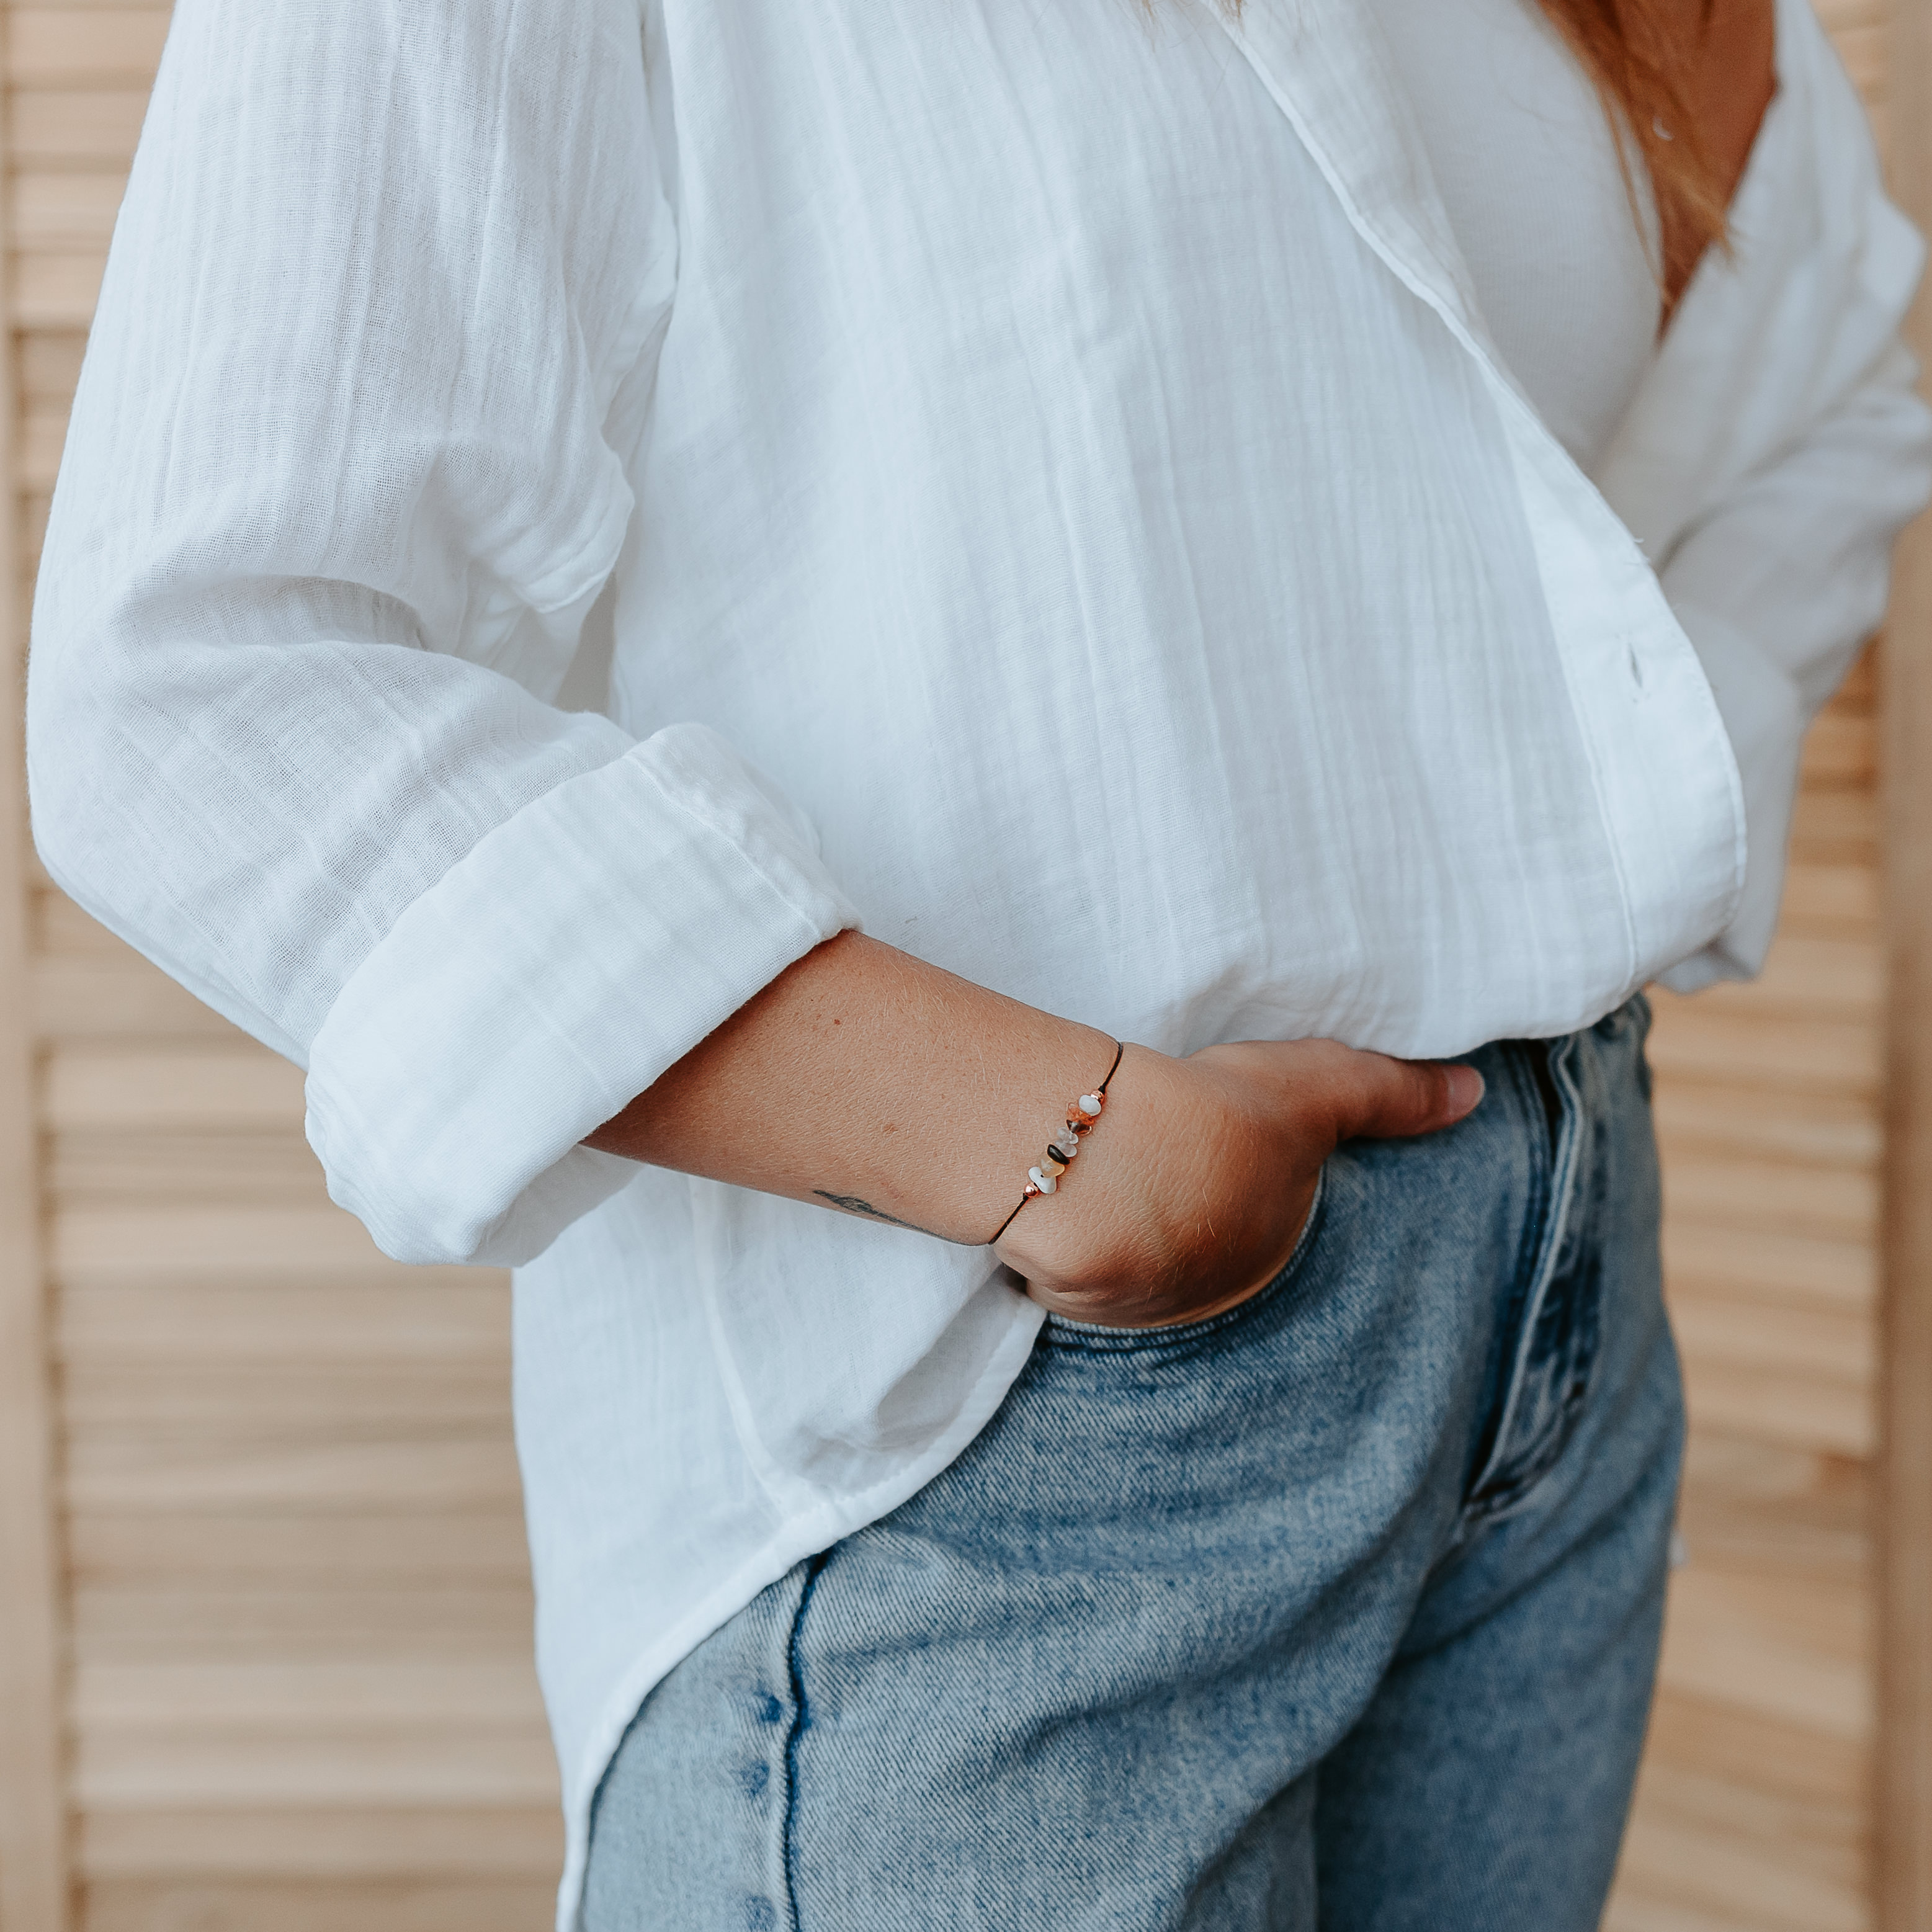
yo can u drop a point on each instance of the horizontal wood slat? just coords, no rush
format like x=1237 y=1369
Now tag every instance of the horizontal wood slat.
x=246 y=1088
x=123 y=1614
x=346 y=1401
x=189 y=1766
x=95 y=127
x=1826 y=1056
x=183 y=1321
x=380 y=1841
x=414 y=1549
x=283 y=1698
x=506 y=1904
x=1796 y=1130
x=206 y=1245
x=1732 y=1191
x=58 y=47
x=231 y=1470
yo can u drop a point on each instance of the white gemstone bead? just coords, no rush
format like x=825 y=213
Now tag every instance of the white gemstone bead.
x=1044 y=1181
x=1090 y=1105
x=1067 y=1145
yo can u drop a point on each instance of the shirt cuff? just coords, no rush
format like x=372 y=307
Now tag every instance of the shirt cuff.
x=576 y=952
x=1764 y=718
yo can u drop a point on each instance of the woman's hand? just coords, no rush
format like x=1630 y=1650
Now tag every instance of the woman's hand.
x=1191 y=1192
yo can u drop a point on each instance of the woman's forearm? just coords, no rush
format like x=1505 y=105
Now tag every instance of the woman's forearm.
x=864 y=1079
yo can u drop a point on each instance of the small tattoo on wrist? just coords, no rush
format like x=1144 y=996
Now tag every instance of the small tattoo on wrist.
x=853 y=1204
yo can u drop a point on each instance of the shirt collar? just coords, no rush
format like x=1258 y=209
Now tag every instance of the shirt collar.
x=1323 y=64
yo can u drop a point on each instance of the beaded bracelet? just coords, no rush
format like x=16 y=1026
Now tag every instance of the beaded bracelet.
x=1080 y=1115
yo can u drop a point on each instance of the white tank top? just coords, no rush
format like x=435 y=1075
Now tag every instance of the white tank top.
x=1528 y=170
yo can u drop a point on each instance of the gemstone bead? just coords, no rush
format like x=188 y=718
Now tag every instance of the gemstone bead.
x=1045 y=1182
x=1066 y=1144
x=1055 y=1162
x=1090 y=1104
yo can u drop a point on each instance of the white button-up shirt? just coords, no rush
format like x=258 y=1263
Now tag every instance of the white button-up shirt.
x=1042 y=488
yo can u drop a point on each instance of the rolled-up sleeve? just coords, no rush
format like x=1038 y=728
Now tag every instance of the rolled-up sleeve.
x=345 y=475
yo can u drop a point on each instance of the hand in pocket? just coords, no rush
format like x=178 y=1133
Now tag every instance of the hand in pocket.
x=1193 y=1192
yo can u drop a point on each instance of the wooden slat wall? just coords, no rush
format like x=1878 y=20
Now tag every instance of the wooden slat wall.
x=1903 y=1824
x=33 y=1795
x=298 y=1691
x=299 y=1696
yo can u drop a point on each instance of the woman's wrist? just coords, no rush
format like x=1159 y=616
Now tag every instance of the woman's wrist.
x=1120 y=1221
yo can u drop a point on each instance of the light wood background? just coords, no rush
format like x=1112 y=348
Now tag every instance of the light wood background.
x=265 y=1608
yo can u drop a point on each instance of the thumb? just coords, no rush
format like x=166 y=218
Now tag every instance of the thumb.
x=1385 y=1098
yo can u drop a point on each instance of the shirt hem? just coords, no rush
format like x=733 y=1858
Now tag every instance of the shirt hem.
x=794 y=1540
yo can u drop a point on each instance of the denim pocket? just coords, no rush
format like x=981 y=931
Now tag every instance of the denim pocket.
x=1096 y=1338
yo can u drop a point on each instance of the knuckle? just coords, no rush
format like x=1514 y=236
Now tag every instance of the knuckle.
x=1428 y=1089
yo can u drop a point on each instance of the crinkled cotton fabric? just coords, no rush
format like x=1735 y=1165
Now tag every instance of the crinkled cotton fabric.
x=566 y=507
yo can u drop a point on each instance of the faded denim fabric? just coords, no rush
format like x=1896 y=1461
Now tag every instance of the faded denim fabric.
x=1340 y=1609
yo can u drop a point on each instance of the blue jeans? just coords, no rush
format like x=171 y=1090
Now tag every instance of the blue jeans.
x=1340 y=1609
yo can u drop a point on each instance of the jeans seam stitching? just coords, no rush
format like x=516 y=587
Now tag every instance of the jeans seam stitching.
x=800 y=1722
